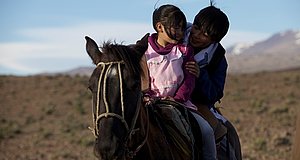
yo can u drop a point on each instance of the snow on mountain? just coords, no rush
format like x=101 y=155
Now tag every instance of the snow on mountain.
x=297 y=36
x=239 y=48
x=278 y=52
x=284 y=40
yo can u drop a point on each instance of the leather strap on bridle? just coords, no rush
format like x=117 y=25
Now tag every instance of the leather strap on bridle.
x=97 y=116
x=145 y=84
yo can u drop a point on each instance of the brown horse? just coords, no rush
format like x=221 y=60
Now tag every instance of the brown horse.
x=124 y=127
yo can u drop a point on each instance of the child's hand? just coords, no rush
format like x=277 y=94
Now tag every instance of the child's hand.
x=193 y=68
x=168 y=98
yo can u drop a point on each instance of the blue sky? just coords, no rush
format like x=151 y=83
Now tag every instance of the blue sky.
x=48 y=35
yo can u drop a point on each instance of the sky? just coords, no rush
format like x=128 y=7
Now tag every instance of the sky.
x=47 y=36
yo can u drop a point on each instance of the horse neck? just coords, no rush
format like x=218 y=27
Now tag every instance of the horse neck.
x=156 y=146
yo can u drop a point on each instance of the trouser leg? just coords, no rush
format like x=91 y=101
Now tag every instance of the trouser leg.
x=208 y=138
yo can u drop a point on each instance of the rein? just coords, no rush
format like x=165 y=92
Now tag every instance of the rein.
x=96 y=112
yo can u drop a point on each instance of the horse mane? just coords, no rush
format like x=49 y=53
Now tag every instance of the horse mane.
x=126 y=53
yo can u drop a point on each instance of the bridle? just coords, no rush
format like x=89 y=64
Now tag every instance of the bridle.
x=97 y=116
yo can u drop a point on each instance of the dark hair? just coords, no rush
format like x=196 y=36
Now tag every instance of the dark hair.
x=213 y=21
x=170 y=16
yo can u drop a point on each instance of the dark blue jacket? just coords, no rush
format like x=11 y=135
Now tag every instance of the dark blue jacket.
x=211 y=81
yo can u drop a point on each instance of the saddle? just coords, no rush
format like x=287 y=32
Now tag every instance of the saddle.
x=173 y=119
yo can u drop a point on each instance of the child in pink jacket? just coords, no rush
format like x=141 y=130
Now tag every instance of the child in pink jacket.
x=166 y=57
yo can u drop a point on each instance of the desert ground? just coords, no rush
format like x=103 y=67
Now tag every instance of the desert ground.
x=47 y=117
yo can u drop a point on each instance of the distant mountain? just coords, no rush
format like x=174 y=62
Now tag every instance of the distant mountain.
x=279 y=52
x=289 y=40
x=81 y=71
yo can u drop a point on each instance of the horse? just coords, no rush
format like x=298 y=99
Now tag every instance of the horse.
x=124 y=126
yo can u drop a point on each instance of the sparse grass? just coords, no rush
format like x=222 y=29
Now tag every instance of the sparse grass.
x=9 y=129
x=259 y=105
x=79 y=102
x=79 y=106
x=282 y=141
x=48 y=117
x=260 y=144
x=49 y=109
x=86 y=141
x=280 y=110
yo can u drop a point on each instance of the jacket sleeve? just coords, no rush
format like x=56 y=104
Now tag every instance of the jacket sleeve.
x=210 y=86
x=186 y=88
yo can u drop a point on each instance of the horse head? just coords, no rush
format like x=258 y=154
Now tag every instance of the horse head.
x=116 y=90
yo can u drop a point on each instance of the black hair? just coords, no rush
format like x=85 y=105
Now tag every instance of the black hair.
x=213 y=21
x=170 y=16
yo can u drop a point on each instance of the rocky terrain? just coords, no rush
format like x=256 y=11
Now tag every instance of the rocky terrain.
x=47 y=117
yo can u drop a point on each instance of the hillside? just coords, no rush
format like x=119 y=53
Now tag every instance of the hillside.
x=46 y=117
x=281 y=51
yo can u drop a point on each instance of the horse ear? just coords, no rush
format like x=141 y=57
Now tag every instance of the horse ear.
x=93 y=50
x=141 y=45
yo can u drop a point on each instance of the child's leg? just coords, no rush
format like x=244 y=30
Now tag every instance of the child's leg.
x=208 y=138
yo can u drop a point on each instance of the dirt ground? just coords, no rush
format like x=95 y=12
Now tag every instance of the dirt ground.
x=47 y=117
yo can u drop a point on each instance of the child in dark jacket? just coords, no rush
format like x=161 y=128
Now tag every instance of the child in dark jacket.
x=204 y=35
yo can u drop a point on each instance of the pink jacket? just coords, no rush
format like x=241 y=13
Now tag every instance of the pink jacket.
x=168 y=76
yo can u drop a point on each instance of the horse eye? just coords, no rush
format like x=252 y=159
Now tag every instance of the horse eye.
x=89 y=87
x=134 y=85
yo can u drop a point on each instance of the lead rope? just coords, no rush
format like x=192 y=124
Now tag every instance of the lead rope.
x=131 y=154
x=94 y=129
x=97 y=116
